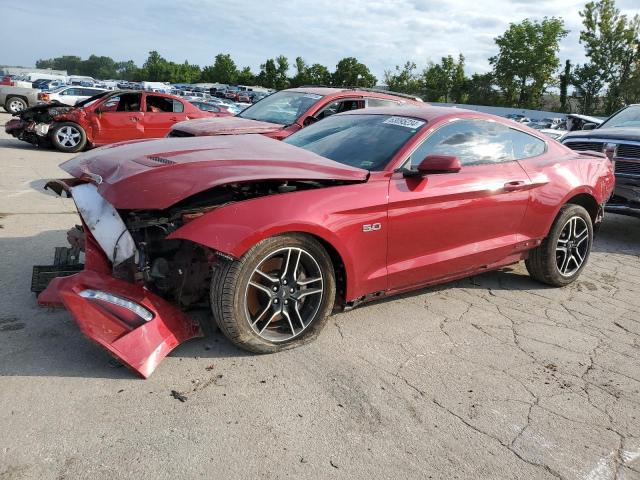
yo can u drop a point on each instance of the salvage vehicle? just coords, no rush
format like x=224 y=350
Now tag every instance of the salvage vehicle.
x=287 y=111
x=273 y=236
x=619 y=138
x=109 y=117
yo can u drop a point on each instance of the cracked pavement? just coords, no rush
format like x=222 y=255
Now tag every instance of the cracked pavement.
x=491 y=377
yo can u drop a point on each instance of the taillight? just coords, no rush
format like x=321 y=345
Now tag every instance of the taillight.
x=43 y=96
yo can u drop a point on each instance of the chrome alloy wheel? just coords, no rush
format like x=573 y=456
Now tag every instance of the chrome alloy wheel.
x=572 y=246
x=16 y=106
x=284 y=294
x=68 y=136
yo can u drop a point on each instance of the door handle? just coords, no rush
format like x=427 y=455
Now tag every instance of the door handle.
x=515 y=186
x=133 y=119
x=174 y=119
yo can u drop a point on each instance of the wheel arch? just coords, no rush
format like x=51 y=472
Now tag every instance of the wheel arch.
x=343 y=268
x=588 y=202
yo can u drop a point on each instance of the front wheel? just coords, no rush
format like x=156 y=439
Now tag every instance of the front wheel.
x=277 y=296
x=68 y=137
x=562 y=255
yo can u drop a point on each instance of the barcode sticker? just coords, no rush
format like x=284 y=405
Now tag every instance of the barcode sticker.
x=404 y=122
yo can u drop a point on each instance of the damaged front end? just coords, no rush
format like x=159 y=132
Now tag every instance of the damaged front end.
x=33 y=124
x=124 y=297
x=135 y=284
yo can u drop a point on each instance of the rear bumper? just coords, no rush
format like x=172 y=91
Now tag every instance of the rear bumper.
x=139 y=344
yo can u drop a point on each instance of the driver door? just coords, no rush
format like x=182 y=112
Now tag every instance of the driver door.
x=118 y=118
x=443 y=225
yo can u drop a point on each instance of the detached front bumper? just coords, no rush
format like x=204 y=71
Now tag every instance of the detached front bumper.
x=138 y=340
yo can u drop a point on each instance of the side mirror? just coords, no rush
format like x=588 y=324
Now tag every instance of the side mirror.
x=309 y=120
x=589 y=126
x=433 y=164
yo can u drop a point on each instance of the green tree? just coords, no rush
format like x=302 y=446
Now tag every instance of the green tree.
x=70 y=63
x=403 y=80
x=611 y=42
x=319 y=75
x=445 y=81
x=156 y=68
x=481 y=89
x=268 y=74
x=246 y=76
x=127 y=70
x=527 y=60
x=350 y=72
x=302 y=76
x=98 y=67
x=223 y=70
x=587 y=81
x=282 y=67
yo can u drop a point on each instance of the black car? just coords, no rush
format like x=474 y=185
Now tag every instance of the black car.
x=619 y=138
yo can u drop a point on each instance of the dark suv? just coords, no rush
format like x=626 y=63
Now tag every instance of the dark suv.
x=619 y=138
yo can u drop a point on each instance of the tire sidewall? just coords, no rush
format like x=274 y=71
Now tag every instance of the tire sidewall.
x=247 y=336
x=14 y=99
x=556 y=231
x=54 y=139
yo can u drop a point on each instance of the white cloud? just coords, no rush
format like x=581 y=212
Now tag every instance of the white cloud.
x=379 y=33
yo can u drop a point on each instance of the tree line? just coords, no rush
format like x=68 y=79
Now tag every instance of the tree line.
x=524 y=71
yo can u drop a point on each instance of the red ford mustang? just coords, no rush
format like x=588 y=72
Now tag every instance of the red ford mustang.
x=102 y=119
x=271 y=236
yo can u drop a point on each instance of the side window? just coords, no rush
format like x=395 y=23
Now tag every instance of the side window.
x=178 y=106
x=343 y=105
x=70 y=91
x=157 y=104
x=477 y=142
x=380 y=102
x=126 y=102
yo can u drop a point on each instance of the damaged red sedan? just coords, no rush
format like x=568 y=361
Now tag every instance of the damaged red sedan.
x=102 y=119
x=273 y=236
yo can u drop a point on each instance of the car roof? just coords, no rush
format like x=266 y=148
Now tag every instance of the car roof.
x=427 y=112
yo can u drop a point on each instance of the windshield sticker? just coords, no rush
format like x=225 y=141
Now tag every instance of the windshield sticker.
x=312 y=95
x=404 y=122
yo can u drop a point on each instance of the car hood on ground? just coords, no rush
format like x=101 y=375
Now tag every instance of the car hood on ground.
x=615 y=133
x=155 y=174
x=225 y=126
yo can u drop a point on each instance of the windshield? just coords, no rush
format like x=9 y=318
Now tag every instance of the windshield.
x=282 y=107
x=363 y=141
x=628 y=117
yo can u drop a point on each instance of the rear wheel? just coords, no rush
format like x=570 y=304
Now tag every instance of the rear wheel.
x=562 y=255
x=15 y=105
x=68 y=137
x=277 y=296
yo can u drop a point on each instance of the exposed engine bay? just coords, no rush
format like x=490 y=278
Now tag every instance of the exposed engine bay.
x=33 y=123
x=179 y=270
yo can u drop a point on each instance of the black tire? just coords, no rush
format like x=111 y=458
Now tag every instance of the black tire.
x=546 y=261
x=76 y=140
x=15 y=104
x=229 y=294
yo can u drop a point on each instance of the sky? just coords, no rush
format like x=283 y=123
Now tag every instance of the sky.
x=381 y=34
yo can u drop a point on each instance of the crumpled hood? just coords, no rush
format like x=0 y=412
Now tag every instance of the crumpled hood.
x=155 y=174
x=225 y=126
x=614 y=133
